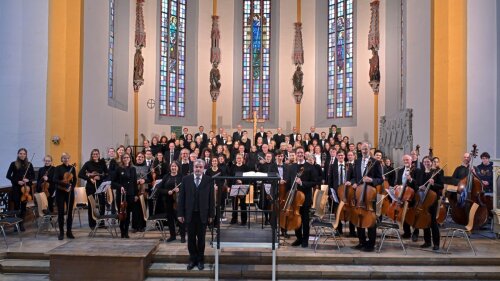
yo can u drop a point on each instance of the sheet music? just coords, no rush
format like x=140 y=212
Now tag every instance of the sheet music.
x=103 y=187
x=391 y=193
x=254 y=174
x=334 y=195
x=267 y=187
x=239 y=189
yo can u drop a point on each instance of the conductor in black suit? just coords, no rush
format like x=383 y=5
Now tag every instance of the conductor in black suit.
x=196 y=208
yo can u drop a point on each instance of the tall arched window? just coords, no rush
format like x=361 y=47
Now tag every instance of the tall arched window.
x=256 y=58
x=340 y=59
x=172 y=58
x=111 y=46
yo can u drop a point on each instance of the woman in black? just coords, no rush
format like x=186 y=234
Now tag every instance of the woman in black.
x=144 y=179
x=65 y=194
x=93 y=172
x=168 y=190
x=46 y=175
x=125 y=182
x=423 y=176
x=20 y=174
x=238 y=167
x=160 y=167
x=220 y=186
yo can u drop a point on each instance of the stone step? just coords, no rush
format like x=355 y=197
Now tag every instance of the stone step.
x=27 y=255
x=170 y=270
x=23 y=277
x=25 y=266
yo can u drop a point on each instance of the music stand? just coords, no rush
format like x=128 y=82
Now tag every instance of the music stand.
x=239 y=190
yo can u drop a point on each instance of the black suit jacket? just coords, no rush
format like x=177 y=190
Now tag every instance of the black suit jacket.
x=237 y=136
x=315 y=136
x=292 y=139
x=260 y=134
x=333 y=178
x=375 y=172
x=185 y=204
x=204 y=137
x=278 y=139
x=399 y=178
x=166 y=156
x=309 y=180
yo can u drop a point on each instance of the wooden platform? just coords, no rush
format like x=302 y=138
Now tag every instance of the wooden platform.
x=102 y=260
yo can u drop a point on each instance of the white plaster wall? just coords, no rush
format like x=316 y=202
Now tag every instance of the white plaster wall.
x=482 y=52
x=23 y=79
x=103 y=126
x=418 y=69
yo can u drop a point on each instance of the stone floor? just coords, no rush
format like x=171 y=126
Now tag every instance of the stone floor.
x=484 y=241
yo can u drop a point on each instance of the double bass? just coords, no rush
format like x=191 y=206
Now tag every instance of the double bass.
x=290 y=218
x=363 y=215
x=469 y=191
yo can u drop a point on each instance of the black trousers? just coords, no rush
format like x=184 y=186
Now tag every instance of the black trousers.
x=302 y=233
x=243 y=207
x=18 y=205
x=124 y=225
x=372 y=236
x=434 y=227
x=196 y=238
x=63 y=198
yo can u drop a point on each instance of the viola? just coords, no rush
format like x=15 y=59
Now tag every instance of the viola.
x=68 y=178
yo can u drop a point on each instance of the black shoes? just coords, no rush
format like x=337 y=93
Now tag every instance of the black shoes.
x=305 y=245
x=425 y=245
x=406 y=236
x=171 y=238
x=61 y=236
x=69 y=234
x=435 y=248
x=201 y=266
x=414 y=237
x=233 y=221
x=191 y=265
x=296 y=243
x=183 y=239
x=358 y=247
x=352 y=234
x=368 y=249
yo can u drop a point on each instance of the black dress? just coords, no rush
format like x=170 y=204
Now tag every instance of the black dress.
x=165 y=203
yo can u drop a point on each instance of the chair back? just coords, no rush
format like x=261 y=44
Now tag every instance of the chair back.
x=144 y=207
x=95 y=211
x=110 y=195
x=41 y=202
x=80 y=196
x=380 y=201
x=337 y=215
x=249 y=196
x=472 y=213
x=315 y=198
x=403 y=217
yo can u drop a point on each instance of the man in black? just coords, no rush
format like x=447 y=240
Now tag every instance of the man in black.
x=366 y=170
x=404 y=177
x=279 y=137
x=305 y=183
x=195 y=206
x=203 y=135
x=238 y=133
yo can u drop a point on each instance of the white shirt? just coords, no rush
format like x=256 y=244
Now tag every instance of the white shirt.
x=341 y=173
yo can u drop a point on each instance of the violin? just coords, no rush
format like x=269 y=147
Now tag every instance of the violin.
x=68 y=178
x=290 y=218
x=45 y=185
x=122 y=214
x=25 y=189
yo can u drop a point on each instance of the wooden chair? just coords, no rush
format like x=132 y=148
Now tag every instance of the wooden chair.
x=80 y=202
x=154 y=222
x=110 y=219
x=45 y=218
x=464 y=231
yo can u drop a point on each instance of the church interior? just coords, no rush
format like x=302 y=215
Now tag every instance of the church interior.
x=402 y=78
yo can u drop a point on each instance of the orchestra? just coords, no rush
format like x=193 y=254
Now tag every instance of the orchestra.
x=302 y=161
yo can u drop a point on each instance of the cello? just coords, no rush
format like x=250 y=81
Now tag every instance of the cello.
x=363 y=215
x=419 y=216
x=347 y=195
x=290 y=218
x=469 y=191
x=403 y=194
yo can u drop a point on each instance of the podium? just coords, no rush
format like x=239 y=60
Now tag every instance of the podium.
x=254 y=238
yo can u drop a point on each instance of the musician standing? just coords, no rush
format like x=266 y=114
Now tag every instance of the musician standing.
x=167 y=189
x=144 y=179
x=238 y=167
x=20 y=174
x=196 y=208
x=65 y=194
x=125 y=182
x=485 y=172
x=46 y=174
x=305 y=183
x=366 y=170
x=93 y=171
x=404 y=177
x=267 y=165
x=423 y=176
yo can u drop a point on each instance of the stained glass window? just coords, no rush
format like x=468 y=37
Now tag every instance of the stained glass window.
x=256 y=59
x=173 y=58
x=111 y=46
x=340 y=59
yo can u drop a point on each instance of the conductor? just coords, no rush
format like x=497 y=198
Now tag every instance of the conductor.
x=196 y=208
